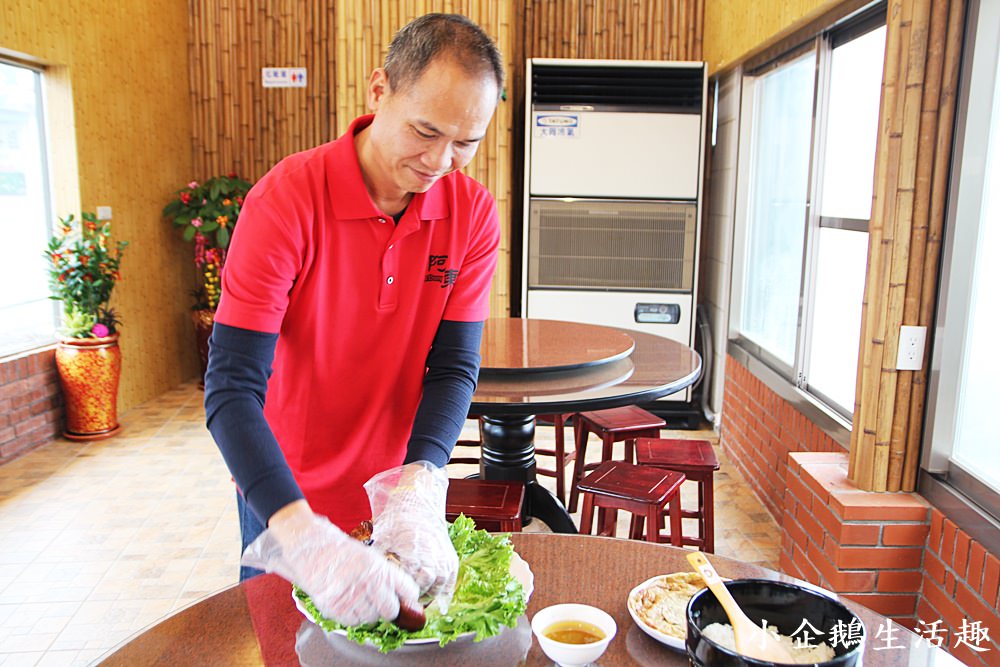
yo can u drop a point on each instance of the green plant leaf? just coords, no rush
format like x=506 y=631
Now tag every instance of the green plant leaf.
x=189 y=232
x=223 y=237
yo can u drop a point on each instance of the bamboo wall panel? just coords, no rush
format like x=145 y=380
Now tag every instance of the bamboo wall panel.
x=119 y=84
x=923 y=44
x=238 y=124
x=626 y=29
x=733 y=28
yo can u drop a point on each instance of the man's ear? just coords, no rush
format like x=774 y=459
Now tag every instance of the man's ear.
x=378 y=88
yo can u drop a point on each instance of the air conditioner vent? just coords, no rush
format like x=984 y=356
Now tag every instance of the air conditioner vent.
x=611 y=244
x=607 y=87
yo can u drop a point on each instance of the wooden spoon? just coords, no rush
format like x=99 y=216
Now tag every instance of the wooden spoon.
x=751 y=639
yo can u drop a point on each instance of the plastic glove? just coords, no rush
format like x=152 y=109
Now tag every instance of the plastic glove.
x=408 y=521
x=349 y=582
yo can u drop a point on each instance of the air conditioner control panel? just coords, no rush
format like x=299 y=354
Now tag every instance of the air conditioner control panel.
x=657 y=313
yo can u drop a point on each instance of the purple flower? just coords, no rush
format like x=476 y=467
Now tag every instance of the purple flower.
x=99 y=330
x=196 y=222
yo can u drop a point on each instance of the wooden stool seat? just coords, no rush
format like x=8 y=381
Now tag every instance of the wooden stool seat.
x=612 y=425
x=643 y=491
x=625 y=419
x=493 y=504
x=697 y=460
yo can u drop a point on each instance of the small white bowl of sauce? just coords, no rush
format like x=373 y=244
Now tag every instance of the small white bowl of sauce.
x=573 y=634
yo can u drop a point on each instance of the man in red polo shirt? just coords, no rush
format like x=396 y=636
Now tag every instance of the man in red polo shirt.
x=353 y=300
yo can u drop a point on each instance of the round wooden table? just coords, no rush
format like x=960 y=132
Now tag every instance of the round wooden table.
x=256 y=623
x=533 y=367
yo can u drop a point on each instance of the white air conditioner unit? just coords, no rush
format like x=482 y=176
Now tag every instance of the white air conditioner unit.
x=613 y=190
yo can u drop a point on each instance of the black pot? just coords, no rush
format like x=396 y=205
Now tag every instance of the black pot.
x=785 y=606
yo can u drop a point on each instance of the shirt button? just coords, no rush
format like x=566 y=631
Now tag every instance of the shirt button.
x=382 y=220
x=391 y=247
x=390 y=280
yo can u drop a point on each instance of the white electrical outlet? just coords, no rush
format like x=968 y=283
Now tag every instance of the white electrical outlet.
x=103 y=212
x=911 y=348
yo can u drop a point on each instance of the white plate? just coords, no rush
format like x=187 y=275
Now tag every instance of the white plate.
x=518 y=569
x=668 y=640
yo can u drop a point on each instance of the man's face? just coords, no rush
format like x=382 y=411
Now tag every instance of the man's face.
x=430 y=128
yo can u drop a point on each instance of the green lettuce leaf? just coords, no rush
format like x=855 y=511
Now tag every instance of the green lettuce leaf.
x=487 y=598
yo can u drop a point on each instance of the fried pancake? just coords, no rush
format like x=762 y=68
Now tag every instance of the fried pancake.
x=662 y=604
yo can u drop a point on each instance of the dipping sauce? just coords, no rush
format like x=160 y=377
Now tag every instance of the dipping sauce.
x=574 y=632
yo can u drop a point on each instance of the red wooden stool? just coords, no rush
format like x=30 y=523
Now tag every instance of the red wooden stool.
x=614 y=425
x=563 y=458
x=643 y=491
x=697 y=460
x=492 y=504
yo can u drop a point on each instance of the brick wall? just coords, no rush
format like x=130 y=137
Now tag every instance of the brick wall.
x=867 y=547
x=891 y=552
x=759 y=429
x=960 y=583
x=31 y=409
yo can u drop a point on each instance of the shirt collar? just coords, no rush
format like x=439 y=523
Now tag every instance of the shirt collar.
x=350 y=197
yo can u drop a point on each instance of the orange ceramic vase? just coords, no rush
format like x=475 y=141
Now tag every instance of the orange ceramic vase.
x=203 y=322
x=89 y=369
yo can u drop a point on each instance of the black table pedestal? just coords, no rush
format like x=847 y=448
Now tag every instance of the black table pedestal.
x=509 y=454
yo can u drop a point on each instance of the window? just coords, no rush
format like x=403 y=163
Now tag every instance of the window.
x=28 y=318
x=962 y=440
x=808 y=134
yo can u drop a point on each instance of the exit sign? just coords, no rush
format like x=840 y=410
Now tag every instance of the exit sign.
x=283 y=77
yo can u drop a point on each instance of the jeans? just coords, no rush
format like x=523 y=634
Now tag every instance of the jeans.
x=250 y=528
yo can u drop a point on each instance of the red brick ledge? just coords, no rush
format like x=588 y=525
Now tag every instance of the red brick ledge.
x=867 y=546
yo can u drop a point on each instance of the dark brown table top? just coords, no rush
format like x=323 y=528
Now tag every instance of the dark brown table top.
x=512 y=344
x=257 y=623
x=655 y=367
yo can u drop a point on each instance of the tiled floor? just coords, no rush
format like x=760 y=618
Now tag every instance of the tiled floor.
x=99 y=540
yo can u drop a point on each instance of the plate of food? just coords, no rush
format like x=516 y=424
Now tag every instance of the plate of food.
x=491 y=593
x=658 y=606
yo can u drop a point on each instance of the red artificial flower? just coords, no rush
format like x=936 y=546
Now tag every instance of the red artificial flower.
x=186 y=197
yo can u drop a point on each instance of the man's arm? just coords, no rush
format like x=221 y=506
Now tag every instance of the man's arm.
x=239 y=365
x=452 y=373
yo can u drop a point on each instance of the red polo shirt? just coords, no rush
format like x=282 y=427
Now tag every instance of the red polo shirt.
x=356 y=301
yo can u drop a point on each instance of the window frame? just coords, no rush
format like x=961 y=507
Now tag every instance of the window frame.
x=971 y=503
x=821 y=46
x=47 y=193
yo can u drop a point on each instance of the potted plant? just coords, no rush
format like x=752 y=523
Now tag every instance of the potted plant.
x=83 y=271
x=207 y=213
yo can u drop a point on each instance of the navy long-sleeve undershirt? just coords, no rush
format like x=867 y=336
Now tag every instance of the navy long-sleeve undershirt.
x=239 y=367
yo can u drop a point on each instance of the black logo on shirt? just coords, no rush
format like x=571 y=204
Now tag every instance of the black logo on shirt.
x=437 y=271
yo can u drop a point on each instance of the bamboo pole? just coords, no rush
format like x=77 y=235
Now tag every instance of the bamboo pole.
x=870 y=358
x=939 y=189
x=916 y=59
x=879 y=440
x=935 y=28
